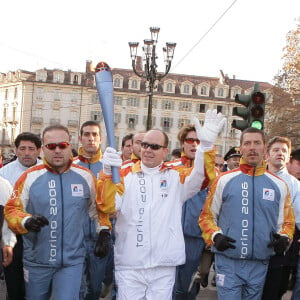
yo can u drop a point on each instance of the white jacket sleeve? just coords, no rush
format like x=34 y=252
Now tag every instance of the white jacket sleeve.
x=193 y=183
x=296 y=203
x=8 y=237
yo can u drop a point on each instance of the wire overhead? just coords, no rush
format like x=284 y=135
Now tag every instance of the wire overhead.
x=204 y=35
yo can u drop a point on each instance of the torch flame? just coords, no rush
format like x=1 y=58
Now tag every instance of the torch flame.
x=102 y=66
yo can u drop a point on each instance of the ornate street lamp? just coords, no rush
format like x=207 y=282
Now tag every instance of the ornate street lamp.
x=150 y=67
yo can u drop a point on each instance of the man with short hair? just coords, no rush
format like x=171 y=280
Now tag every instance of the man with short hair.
x=219 y=163
x=175 y=154
x=48 y=207
x=194 y=244
x=126 y=146
x=136 y=145
x=90 y=157
x=27 y=150
x=280 y=266
x=247 y=216
x=7 y=238
x=89 y=154
x=136 y=152
x=293 y=167
x=293 y=164
x=149 y=238
x=232 y=158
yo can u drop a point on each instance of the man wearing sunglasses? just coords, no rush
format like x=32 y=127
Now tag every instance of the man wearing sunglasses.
x=48 y=206
x=194 y=244
x=27 y=150
x=149 y=239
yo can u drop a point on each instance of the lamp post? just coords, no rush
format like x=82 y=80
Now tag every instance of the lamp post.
x=150 y=67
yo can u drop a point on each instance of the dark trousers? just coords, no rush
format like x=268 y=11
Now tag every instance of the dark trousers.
x=276 y=283
x=14 y=275
x=193 y=250
x=207 y=260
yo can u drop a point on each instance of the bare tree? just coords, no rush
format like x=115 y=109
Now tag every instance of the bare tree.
x=284 y=112
x=291 y=65
x=283 y=117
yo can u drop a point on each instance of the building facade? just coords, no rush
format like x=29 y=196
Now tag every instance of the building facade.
x=30 y=101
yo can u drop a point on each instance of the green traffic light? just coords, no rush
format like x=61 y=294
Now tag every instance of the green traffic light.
x=257 y=124
x=253 y=111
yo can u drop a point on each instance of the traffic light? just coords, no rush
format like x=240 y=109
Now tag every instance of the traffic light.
x=257 y=110
x=254 y=111
x=242 y=112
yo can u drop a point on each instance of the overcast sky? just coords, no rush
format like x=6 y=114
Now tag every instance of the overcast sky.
x=246 y=41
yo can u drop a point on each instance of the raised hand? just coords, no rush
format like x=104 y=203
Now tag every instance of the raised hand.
x=213 y=124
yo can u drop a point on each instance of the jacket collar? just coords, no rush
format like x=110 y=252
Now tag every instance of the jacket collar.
x=95 y=158
x=251 y=170
x=281 y=172
x=134 y=158
x=137 y=167
x=50 y=168
x=185 y=160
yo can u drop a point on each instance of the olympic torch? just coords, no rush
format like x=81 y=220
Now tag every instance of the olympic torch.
x=104 y=86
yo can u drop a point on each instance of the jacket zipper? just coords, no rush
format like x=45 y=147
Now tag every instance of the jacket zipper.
x=62 y=220
x=150 y=231
x=89 y=219
x=253 y=216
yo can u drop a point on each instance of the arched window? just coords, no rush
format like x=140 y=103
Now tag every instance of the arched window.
x=169 y=87
x=134 y=84
x=186 y=89
x=220 y=92
x=117 y=82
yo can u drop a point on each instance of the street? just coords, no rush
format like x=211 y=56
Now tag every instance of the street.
x=2 y=290
x=208 y=293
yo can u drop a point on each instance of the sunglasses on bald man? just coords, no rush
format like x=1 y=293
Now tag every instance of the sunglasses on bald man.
x=61 y=145
x=145 y=145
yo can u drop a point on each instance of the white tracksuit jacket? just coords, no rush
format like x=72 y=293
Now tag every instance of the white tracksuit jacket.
x=11 y=172
x=148 y=228
x=8 y=237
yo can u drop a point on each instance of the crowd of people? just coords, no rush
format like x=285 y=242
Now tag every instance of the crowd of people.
x=70 y=232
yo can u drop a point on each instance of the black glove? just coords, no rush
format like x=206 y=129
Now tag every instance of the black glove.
x=102 y=244
x=279 y=243
x=35 y=223
x=223 y=242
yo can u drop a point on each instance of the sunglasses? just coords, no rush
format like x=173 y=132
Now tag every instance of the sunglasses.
x=152 y=146
x=61 y=145
x=192 y=141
